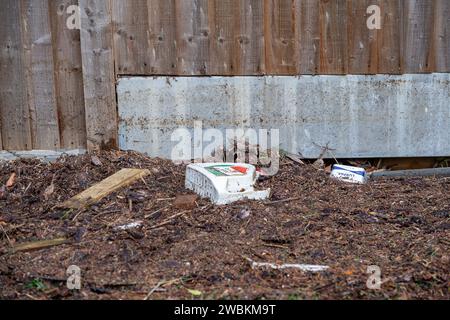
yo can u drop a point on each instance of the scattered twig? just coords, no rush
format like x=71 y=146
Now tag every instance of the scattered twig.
x=275 y=246
x=169 y=220
x=6 y=235
x=283 y=201
x=160 y=285
x=294 y=158
x=165 y=199
x=155 y=212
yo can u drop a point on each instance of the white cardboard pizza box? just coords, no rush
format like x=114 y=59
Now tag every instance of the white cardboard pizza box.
x=224 y=183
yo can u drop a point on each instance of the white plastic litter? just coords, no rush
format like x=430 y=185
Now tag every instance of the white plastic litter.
x=349 y=174
x=224 y=183
x=129 y=226
x=302 y=267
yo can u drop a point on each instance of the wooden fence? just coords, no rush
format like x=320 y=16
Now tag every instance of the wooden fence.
x=57 y=84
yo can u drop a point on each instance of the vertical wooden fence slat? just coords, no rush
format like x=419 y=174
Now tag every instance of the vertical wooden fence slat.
x=39 y=74
x=417 y=36
x=68 y=74
x=333 y=34
x=222 y=20
x=363 y=51
x=237 y=37
x=98 y=74
x=281 y=37
x=131 y=37
x=250 y=56
x=441 y=36
x=162 y=27
x=309 y=37
x=192 y=37
x=389 y=39
x=15 y=117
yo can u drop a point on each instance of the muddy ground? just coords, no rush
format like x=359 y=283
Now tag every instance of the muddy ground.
x=402 y=226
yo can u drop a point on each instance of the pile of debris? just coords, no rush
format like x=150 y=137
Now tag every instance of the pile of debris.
x=133 y=229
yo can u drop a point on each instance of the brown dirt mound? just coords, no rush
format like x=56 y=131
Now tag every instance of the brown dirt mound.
x=400 y=225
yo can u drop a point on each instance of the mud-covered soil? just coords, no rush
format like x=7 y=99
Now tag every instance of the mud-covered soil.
x=402 y=226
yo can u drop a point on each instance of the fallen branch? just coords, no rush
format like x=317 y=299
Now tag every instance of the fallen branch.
x=303 y=267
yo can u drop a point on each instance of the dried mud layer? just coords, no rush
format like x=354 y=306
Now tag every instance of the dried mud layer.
x=402 y=226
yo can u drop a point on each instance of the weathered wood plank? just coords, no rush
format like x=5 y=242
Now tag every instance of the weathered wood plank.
x=162 y=29
x=441 y=36
x=417 y=36
x=237 y=40
x=102 y=189
x=39 y=245
x=281 y=38
x=250 y=55
x=39 y=74
x=333 y=33
x=131 y=37
x=362 y=42
x=15 y=116
x=222 y=20
x=389 y=39
x=309 y=37
x=68 y=74
x=193 y=37
x=98 y=74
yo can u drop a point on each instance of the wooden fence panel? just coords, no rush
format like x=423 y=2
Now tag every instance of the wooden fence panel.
x=68 y=75
x=309 y=37
x=15 y=116
x=362 y=42
x=133 y=54
x=281 y=36
x=162 y=30
x=333 y=37
x=441 y=36
x=57 y=86
x=98 y=74
x=417 y=36
x=389 y=38
x=39 y=74
x=193 y=37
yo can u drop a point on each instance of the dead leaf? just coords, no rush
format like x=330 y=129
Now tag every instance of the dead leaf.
x=11 y=181
x=195 y=293
x=349 y=272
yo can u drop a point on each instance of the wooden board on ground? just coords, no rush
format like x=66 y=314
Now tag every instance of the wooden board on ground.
x=38 y=245
x=97 y=192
